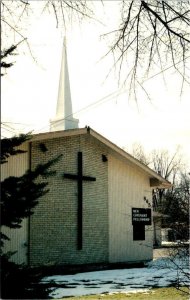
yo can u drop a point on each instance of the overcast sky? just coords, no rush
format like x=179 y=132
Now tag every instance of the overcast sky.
x=29 y=90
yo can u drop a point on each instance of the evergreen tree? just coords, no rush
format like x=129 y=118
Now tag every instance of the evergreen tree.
x=5 y=55
x=19 y=196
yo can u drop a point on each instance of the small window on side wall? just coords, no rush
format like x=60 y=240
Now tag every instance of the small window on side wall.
x=138 y=232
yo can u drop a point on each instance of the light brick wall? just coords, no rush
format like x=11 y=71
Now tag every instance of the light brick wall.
x=53 y=227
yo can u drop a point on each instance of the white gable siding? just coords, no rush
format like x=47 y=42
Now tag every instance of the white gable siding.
x=16 y=166
x=127 y=188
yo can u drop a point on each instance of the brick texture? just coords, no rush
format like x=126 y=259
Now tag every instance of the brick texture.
x=53 y=226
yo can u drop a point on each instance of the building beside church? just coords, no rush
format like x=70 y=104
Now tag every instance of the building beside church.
x=99 y=205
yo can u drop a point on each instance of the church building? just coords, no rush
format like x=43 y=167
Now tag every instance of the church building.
x=99 y=205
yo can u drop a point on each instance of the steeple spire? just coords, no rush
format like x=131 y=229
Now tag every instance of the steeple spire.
x=63 y=119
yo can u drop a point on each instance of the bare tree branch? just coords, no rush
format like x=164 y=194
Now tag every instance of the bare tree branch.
x=152 y=32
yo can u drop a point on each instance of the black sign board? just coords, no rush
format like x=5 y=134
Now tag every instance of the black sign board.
x=141 y=216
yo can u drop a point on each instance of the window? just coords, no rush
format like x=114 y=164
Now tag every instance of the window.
x=138 y=232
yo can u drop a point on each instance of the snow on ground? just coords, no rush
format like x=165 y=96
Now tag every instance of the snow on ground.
x=158 y=273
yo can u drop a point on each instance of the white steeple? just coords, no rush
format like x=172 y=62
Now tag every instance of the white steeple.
x=63 y=119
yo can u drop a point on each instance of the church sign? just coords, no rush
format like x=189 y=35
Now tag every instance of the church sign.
x=141 y=216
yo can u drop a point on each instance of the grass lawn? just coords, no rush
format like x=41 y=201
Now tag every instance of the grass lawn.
x=155 y=294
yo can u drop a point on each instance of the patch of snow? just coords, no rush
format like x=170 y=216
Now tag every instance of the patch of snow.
x=177 y=243
x=158 y=273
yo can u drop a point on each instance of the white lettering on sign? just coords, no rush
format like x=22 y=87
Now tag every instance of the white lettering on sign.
x=141 y=215
x=141 y=219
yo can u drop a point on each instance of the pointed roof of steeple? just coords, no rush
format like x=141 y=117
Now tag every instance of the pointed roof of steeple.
x=63 y=119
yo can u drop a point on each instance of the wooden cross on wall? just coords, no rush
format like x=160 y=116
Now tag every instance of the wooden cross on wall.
x=79 y=177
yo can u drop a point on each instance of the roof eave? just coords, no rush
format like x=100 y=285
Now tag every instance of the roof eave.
x=160 y=182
